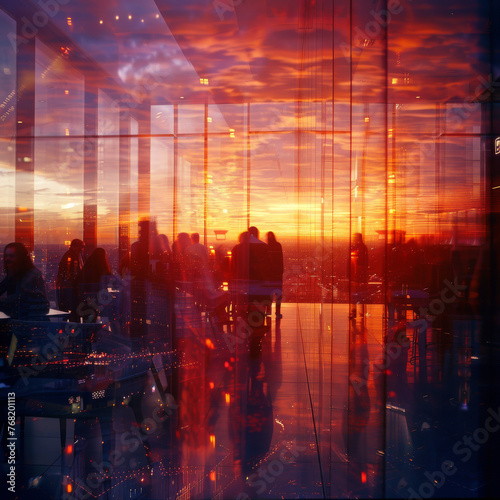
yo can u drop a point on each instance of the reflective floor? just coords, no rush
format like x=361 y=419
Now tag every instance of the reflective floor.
x=285 y=408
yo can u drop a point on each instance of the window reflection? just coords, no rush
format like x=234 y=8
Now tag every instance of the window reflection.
x=171 y=139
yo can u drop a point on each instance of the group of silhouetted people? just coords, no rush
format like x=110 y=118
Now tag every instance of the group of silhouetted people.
x=257 y=269
x=78 y=283
x=255 y=275
x=23 y=293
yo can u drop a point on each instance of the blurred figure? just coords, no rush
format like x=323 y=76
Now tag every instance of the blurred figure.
x=239 y=257
x=69 y=267
x=359 y=260
x=359 y=279
x=164 y=244
x=164 y=255
x=180 y=256
x=258 y=267
x=91 y=286
x=198 y=273
x=239 y=273
x=275 y=273
x=197 y=255
x=140 y=270
x=198 y=248
x=22 y=292
x=142 y=250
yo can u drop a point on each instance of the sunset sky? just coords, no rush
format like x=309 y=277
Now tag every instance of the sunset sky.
x=405 y=152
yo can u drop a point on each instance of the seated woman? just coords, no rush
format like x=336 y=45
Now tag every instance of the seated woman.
x=22 y=291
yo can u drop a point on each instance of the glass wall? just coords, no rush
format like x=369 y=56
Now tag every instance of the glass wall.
x=358 y=358
x=8 y=128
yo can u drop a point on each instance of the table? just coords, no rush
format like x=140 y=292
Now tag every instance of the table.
x=53 y=313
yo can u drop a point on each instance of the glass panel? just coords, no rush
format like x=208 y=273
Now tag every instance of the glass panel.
x=298 y=203
x=59 y=156
x=7 y=127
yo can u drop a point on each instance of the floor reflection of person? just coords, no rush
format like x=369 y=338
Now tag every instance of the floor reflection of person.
x=70 y=265
x=355 y=419
x=22 y=292
x=251 y=408
x=275 y=272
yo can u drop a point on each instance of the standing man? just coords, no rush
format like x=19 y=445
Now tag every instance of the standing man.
x=197 y=253
x=70 y=265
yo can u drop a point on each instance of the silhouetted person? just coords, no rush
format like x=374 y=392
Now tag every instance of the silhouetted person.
x=90 y=286
x=22 y=292
x=275 y=271
x=239 y=284
x=258 y=266
x=165 y=257
x=69 y=267
x=180 y=256
x=140 y=271
x=359 y=278
x=359 y=260
x=239 y=259
x=197 y=254
x=164 y=245
x=198 y=272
